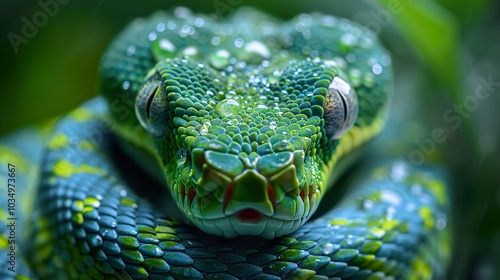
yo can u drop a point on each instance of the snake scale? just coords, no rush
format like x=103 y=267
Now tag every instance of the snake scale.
x=248 y=122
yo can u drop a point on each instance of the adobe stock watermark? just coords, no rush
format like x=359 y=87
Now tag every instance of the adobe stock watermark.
x=49 y=9
x=224 y=7
x=454 y=118
x=383 y=17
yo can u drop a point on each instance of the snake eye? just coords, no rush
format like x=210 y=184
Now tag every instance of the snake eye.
x=341 y=108
x=151 y=108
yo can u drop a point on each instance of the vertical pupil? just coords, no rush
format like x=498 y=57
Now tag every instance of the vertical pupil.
x=346 y=108
x=149 y=102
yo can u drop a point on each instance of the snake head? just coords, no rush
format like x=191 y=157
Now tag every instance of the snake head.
x=250 y=162
x=248 y=129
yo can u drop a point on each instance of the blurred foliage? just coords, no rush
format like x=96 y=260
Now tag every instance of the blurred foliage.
x=442 y=50
x=434 y=39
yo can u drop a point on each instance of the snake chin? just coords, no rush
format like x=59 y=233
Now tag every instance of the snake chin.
x=287 y=215
x=233 y=226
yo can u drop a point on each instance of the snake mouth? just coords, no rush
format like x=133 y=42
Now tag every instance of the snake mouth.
x=249 y=216
x=270 y=196
x=237 y=218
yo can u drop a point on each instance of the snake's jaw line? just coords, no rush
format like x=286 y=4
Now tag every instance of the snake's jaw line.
x=269 y=196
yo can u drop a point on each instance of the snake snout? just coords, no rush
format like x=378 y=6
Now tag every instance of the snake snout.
x=249 y=191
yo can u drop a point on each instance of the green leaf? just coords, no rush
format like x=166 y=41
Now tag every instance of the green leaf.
x=433 y=33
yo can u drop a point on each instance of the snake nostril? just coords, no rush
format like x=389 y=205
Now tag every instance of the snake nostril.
x=249 y=216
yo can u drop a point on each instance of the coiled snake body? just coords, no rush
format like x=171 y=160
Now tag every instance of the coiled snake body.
x=247 y=123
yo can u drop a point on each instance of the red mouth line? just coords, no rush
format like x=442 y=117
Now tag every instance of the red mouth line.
x=249 y=216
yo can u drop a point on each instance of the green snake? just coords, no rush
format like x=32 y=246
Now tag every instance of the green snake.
x=247 y=123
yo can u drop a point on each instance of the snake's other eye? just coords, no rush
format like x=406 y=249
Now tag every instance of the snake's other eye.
x=151 y=108
x=341 y=108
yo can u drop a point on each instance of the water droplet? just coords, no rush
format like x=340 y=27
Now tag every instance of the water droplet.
x=390 y=197
x=181 y=156
x=239 y=43
x=416 y=189
x=350 y=239
x=256 y=52
x=187 y=30
x=273 y=125
x=171 y=25
x=305 y=18
x=204 y=129
x=372 y=61
x=160 y=27
x=399 y=171
x=347 y=42
x=241 y=64
x=162 y=49
x=328 y=248
x=182 y=12
x=284 y=142
x=123 y=193
x=199 y=22
x=441 y=223
x=227 y=107
x=215 y=41
x=275 y=77
x=299 y=26
x=410 y=207
x=261 y=106
x=152 y=36
x=131 y=50
x=126 y=85
x=220 y=59
x=376 y=233
x=385 y=60
x=306 y=34
x=340 y=62
x=190 y=51
x=328 y=62
x=377 y=69
x=368 y=204
x=328 y=21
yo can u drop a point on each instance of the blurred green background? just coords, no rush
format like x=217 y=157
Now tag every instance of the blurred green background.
x=442 y=52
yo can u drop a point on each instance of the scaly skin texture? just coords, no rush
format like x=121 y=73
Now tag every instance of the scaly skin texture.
x=244 y=116
x=258 y=107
